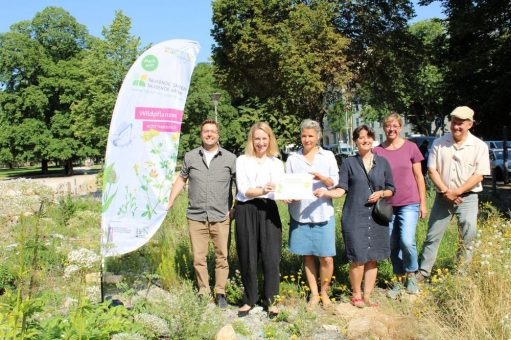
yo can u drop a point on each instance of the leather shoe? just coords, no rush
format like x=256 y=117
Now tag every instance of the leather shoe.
x=243 y=313
x=221 y=301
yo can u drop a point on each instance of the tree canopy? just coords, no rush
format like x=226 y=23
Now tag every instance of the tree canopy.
x=286 y=54
x=58 y=87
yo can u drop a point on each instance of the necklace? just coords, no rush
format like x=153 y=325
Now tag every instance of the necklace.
x=368 y=162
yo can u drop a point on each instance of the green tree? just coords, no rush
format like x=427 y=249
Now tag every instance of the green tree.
x=235 y=117
x=103 y=67
x=479 y=61
x=58 y=87
x=427 y=88
x=283 y=54
x=33 y=55
x=200 y=107
x=382 y=53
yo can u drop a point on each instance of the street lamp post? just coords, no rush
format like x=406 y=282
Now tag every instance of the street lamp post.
x=214 y=98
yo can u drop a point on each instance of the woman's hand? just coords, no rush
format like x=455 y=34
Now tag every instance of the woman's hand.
x=268 y=187
x=327 y=181
x=375 y=196
x=320 y=192
x=317 y=175
x=423 y=210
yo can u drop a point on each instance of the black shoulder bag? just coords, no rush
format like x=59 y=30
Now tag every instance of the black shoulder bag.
x=382 y=211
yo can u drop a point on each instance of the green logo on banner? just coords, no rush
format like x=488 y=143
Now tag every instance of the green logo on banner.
x=150 y=63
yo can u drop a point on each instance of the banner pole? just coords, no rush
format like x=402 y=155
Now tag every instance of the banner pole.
x=101 y=278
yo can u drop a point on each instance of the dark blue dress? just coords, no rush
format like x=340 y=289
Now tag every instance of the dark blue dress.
x=364 y=238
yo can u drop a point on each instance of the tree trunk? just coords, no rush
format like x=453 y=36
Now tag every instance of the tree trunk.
x=68 y=167
x=44 y=166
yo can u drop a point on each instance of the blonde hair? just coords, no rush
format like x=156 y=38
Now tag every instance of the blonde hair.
x=393 y=116
x=273 y=149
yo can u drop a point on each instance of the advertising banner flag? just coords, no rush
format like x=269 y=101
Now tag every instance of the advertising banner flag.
x=142 y=147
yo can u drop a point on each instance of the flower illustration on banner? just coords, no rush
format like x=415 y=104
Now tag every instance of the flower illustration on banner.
x=109 y=180
x=150 y=134
x=155 y=175
x=129 y=205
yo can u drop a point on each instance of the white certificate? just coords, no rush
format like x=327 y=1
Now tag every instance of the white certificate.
x=294 y=187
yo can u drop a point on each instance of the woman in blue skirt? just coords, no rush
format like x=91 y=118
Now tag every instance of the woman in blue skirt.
x=312 y=222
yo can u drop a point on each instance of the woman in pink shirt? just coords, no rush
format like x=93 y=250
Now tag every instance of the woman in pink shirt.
x=409 y=203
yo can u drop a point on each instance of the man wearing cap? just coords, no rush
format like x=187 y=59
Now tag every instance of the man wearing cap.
x=456 y=165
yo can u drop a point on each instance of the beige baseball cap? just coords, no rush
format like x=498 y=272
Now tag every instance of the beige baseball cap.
x=463 y=112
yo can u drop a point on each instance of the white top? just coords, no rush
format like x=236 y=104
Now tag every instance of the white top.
x=252 y=172
x=319 y=209
x=209 y=155
x=456 y=164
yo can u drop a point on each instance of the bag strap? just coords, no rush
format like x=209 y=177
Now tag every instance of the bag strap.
x=367 y=176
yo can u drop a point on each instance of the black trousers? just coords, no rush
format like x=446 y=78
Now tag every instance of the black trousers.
x=259 y=235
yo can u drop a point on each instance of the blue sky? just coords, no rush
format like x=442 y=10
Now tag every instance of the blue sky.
x=152 y=20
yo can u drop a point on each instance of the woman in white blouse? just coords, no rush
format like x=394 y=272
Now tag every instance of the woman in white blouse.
x=258 y=226
x=312 y=221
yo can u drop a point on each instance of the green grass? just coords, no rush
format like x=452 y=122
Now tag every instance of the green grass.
x=28 y=171
x=35 y=171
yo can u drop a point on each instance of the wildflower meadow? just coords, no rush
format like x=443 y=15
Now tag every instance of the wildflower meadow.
x=50 y=282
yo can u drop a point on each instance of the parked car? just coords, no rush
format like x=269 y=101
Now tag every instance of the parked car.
x=421 y=139
x=497 y=163
x=424 y=143
x=497 y=144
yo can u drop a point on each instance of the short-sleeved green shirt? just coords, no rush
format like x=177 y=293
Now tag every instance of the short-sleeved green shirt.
x=209 y=188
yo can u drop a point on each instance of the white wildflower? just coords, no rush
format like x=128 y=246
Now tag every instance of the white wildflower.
x=70 y=270
x=93 y=294
x=58 y=236
x=153 y=323
x=83 y=257
x=23 y=197
x=11 y=246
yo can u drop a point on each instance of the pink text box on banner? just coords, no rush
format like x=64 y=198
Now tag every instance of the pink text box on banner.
x=161 y=126
x=158 y=113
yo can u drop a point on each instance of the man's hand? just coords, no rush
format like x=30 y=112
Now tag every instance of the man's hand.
x=452 y=196
x=169 y=205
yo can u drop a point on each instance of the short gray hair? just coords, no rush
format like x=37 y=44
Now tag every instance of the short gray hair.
x=311 y=124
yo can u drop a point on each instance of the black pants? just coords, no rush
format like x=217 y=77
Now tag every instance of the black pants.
x=259 y=234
